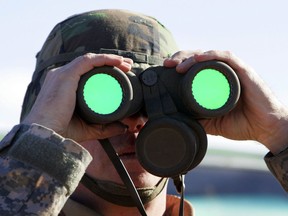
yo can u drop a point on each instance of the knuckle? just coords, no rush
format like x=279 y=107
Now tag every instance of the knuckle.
x=86 y=57
x=178 y=53
x=228 y=54
x=211 y=52
x=92 y=57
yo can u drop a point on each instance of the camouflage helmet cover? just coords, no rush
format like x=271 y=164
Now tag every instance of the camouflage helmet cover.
x=122 y=32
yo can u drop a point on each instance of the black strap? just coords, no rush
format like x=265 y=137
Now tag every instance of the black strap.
x=181 y=209
x=118 y=194
x=67 y=57
x=180 y=187
x=105 y=143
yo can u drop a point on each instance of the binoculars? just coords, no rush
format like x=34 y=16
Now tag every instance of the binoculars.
x=172 y=142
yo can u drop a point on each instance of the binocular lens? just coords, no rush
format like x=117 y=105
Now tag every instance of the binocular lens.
x=211 y=89
x=103 y=93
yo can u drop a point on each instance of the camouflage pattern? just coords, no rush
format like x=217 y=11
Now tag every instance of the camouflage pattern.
x=108 y=29
x=25 y=189
x=27 y=186
x=278 y=165
x=39 y=169
x=31 y=183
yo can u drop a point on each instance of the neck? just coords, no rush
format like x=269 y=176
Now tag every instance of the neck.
x=156 y=207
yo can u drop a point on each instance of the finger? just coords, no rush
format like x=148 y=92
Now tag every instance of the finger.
x=175 y=59
x=184 y=66
x=182 y=60
x=124 y=66
x=128 y=60
x=187 y=63
x=183 y=54
x=97 y=131
x=248 y=77
x=225 y=56
x=87 y=62
x=170 y=62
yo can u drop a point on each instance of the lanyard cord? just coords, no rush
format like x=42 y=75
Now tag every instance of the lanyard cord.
x=181 y=209
x=105 y=143
x=180 y=187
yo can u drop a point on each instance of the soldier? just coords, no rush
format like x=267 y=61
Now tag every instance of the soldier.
x=44 y=158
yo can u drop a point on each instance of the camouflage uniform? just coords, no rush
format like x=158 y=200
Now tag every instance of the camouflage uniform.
x=39 y=171
x=39 y=168
x=278 y=165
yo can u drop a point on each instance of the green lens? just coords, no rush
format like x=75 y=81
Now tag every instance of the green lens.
x=102 y=93
x=210 y=89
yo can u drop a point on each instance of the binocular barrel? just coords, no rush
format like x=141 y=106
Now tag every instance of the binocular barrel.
x=208 y=89
x=107 y=94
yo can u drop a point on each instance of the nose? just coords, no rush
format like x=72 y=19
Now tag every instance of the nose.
x=135 y=122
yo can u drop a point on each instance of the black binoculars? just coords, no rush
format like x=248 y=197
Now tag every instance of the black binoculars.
x=172 y=142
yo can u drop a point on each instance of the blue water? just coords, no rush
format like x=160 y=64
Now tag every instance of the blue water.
x=244 y=205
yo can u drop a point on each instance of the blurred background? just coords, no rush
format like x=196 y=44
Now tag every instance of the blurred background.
x=233 y=179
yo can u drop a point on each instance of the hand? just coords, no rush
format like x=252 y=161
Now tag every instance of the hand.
x=54 y=106
x=258 y=115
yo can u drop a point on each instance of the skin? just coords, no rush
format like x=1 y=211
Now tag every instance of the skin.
x=58 y=93
x=258 y=116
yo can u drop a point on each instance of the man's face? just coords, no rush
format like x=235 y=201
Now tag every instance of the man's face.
x=102 y=168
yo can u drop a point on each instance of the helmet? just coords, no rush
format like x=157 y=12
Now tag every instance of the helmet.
x=120 y=32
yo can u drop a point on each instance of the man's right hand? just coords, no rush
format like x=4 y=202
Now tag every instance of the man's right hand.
x=54 y=106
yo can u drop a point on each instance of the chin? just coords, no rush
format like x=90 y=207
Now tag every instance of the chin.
x=140 y=177
x=144 y=179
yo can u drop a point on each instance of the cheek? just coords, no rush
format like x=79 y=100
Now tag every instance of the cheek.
x=100 y=163
x=102 y=168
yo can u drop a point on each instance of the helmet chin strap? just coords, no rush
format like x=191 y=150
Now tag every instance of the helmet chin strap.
x=117 y=194
x=129 y=196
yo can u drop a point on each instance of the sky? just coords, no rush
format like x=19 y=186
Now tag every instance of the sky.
x=255 y=30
